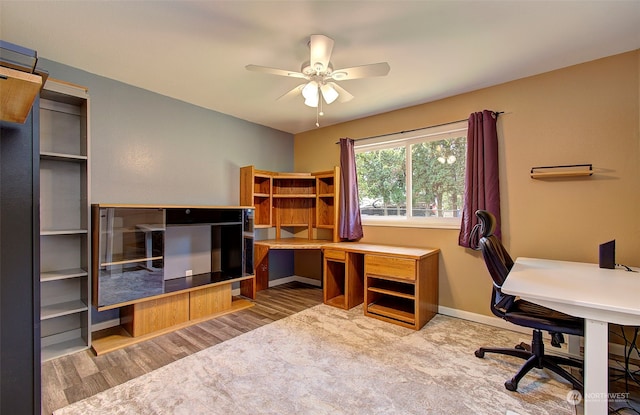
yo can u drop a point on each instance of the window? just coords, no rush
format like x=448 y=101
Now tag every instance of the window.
x=434 y=187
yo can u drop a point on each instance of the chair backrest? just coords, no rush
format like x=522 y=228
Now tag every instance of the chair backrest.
x=496 y=258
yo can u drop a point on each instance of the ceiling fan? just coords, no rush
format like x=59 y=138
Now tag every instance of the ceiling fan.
x=320 y=76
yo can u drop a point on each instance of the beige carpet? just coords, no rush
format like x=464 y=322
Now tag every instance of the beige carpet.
x=330 y=361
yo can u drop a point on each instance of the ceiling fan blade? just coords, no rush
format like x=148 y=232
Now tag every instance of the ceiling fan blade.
x=321 y=47
x=363 y=71
x=343 y=95
x=275 y=71
x=291 y=94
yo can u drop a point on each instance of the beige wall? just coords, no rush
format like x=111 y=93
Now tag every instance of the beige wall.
x=587 y=113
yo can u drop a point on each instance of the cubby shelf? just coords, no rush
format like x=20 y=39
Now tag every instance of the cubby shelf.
x=63 y=274
x=52 y=232
x=62 y=309
x=62 y=157
x=61 y=348
x=393 y=310
x=295 y=196
x=392 y=293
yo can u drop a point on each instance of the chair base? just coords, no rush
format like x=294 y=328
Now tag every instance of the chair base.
x=535 y=358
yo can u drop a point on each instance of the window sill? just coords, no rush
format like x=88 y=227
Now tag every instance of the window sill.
x=436 y=223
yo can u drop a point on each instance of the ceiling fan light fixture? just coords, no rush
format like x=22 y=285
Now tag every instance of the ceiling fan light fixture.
x=310 y=90
x=329 y=93
x=310 y=94
x=311 y=102
x=319 y=74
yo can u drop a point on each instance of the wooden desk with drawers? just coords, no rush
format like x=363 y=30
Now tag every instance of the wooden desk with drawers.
x=397 y=284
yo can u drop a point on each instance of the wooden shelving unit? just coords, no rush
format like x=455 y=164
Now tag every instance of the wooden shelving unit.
x=256 y=190
x=295 y=200
x=327 y=199
x=65 y=281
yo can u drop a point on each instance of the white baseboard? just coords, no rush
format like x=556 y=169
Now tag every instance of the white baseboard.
x=573 y=349
x=482 y=319
x=285 y=280
x=569 y=348
x=304 y=280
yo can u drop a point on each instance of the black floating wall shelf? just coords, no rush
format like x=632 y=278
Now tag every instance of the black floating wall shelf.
x=552 y=172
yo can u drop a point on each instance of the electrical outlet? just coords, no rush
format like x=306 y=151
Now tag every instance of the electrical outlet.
x=188 y=273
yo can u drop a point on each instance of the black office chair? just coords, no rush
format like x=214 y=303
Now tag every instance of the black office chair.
x=521 y=312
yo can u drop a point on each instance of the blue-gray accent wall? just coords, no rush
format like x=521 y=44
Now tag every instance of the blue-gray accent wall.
x=147 y=148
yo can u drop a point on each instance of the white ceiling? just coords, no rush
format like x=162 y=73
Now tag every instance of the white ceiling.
x=196 y=51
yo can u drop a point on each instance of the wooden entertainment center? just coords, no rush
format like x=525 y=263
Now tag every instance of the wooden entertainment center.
x=130 y=262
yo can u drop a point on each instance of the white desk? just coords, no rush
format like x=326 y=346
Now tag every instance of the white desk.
x=600 y=296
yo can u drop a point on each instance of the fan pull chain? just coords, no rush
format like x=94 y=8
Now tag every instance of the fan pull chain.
x=319 y=111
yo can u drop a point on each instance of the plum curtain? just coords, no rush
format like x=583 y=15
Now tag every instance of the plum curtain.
x=482 y=189
x=350 y=221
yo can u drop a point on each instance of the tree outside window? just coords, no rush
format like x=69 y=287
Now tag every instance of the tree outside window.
x=433 y=189
x=382 y=182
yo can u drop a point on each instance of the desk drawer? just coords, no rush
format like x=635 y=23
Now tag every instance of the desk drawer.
x=335 y=254
x=386 y=266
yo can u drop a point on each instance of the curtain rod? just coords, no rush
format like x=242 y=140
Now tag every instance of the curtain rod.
x=417 y=129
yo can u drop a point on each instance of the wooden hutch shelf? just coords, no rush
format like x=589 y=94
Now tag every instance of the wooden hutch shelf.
x=297 y=200
x=302 y=202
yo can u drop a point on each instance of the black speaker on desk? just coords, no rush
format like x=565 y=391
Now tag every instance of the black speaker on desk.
x=608 y=255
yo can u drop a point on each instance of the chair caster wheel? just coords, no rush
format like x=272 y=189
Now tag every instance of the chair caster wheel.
x=479 y=353
x=511 y=385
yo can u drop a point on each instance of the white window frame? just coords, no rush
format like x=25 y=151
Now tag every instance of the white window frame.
x=437 y=133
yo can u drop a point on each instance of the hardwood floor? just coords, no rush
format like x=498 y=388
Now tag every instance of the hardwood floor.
x=72 y=378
